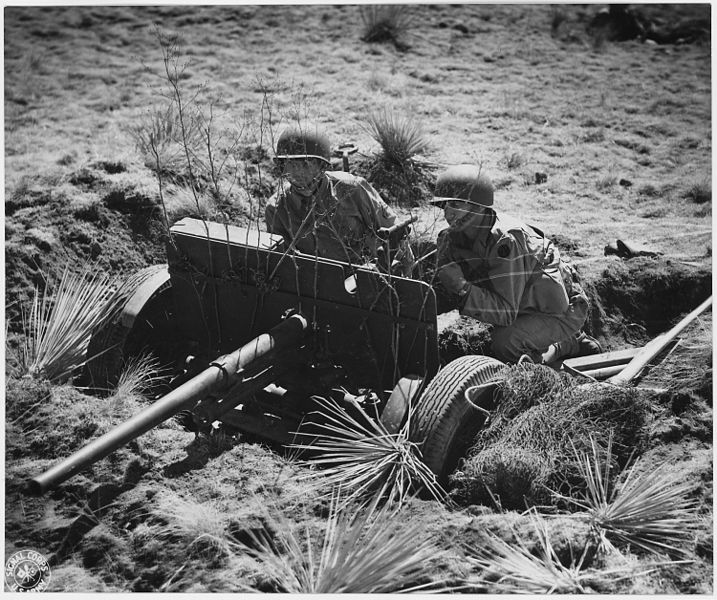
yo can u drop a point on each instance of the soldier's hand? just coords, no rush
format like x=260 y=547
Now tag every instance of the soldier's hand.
x=451 y=276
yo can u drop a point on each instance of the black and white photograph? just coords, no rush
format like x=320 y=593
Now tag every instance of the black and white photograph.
x=324 y=298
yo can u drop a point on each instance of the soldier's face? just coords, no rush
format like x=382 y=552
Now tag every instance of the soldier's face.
x=301 y=172
x=463 y=216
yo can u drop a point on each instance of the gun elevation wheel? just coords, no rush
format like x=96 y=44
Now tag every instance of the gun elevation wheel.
x=444 y=421
x=145 y=324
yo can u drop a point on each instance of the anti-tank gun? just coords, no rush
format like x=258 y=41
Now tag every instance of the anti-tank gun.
x=255 y=333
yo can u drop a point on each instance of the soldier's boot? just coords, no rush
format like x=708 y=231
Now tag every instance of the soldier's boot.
x=580 y=344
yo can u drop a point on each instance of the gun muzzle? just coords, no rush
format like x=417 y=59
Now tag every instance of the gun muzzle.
x=219 y=376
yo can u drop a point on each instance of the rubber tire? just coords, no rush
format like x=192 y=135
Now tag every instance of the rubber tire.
x=115 y=344
x=444 y=422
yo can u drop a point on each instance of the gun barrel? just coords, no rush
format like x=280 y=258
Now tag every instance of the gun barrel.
x=220 y=374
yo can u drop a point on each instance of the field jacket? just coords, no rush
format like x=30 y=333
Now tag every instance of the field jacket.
x=339 y=221
x=514 y=269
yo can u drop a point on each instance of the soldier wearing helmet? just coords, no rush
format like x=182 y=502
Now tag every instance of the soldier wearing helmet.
x=508 y=274
x=331 y=214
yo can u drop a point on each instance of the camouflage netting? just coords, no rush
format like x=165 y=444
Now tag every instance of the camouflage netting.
x=529 y=446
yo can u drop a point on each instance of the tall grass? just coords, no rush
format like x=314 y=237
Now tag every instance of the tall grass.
x=361 y=457
x=647 y=509
x=60 y=322
x=400 y=137
x=364 y=550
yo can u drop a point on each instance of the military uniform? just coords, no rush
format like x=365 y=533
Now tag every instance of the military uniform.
x=519 y=284
x=339 y=221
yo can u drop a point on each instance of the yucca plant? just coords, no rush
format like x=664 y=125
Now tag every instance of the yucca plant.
x=364 y=550
x=386 y=23
x=513 y=569
x=400 y=137
x=359 y=455
x=646 y=509
x=60 y=322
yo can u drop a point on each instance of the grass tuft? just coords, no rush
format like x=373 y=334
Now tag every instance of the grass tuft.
x=201 y=525
x=400 y=137
x=159 y=139
x=140 y=375
x=181 y=201
x=386 y=23
x=361 y=457
x=649 y=509
x=364 y=550
x=61 y=322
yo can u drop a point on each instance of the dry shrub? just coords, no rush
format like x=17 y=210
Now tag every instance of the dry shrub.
x=529 y=444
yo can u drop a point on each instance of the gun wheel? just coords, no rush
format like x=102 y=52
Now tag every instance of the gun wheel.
x=444 y=422
x=143 y=326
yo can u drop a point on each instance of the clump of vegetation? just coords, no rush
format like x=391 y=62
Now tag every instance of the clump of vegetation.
x=140 y=375
x=201 y=526
x=160 y=137
x=648 y=509
x=400 y=137
x=396 y=172
x=364 y=550
x=61 y=321
x=386 y=23
x=361 y=457
x=181 y=201
x=528 y=445
x=507 y=568
x=699 y=193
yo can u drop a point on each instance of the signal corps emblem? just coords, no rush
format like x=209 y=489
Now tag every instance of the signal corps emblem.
x=27 y=571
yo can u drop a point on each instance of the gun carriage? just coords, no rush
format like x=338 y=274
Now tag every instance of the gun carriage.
x=255 y=333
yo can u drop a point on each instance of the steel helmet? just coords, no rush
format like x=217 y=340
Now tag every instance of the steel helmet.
x=303 y=142
x=465 y=183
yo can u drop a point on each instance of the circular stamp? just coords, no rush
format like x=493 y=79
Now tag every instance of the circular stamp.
x=27 y=571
